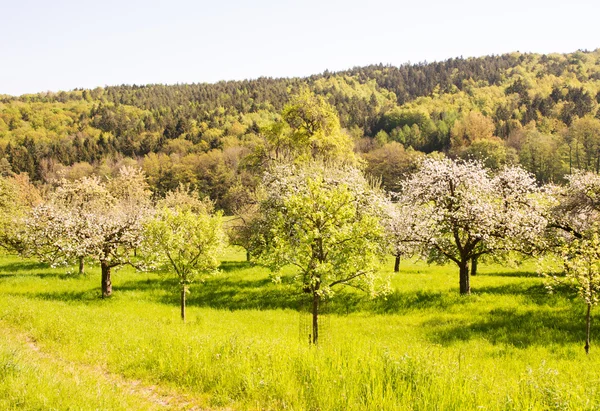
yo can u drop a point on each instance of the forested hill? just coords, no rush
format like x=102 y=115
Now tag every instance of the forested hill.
x=539 y=110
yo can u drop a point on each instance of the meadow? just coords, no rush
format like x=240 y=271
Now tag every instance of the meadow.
x=508 y=346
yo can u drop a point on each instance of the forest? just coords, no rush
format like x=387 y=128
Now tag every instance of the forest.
x=539 y=111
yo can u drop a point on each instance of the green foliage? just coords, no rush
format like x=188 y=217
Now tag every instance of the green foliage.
x=184 y=243
x=423 y=347
x=325 y=231
x=315 y=129
x=541 y=154
x=581 y=260
x=17 y=197
x=584 y=144
x=211 y=136
x=492 y=152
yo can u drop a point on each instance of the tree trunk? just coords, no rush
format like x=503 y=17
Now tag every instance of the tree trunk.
x=247 y=256
x=570 y=160
x=183 y=290
x=474 y=266
x=81 y=266
x=465 y=283
x=106 y=282
x=588 y=326
x=315 y=319
x=397 y=263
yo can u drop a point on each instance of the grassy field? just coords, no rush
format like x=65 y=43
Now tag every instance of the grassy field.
x=508 y=346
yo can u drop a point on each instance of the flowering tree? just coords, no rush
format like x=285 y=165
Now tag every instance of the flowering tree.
x=581 y=262
x=247 y=226
x=576 y=205
x=574 y=236
x=185 y=243
x=90 y=218
x=324 y=222
x=59 y=229
x=469 y=213
x=17 y=197
x=403 y=221
x=186 y=199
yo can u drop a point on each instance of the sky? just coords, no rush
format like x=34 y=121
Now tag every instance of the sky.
x=66 y=44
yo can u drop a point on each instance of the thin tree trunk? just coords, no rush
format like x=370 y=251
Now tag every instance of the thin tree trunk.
x=81 y=266
x=570 y=160
x=397 y=263
x=474 y=266
x=183 y=303
x=248 y=256
x=588 y=326
x=315 y=318
x=106 y=281
x=465 y=283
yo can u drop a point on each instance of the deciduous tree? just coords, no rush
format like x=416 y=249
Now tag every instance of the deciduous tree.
x=17 y=197
x=315 y=129
x=184 y=242
x=404 y=224
x=469 y=213
x=581 y=262
x=100 y=220
x=576 y=206
x=325 y=223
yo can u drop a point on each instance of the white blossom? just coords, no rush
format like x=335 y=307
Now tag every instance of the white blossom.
x=464 y=212
x=90 y=218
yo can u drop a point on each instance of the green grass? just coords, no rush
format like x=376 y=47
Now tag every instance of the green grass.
x=509 y=346
x=33 y=380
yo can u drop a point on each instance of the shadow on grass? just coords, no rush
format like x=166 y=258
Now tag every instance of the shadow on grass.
x=262 y=294
x=229 y=266
x=235 y=294
x=515 y=289
x=240 y=288
x=514 y=274
x=397 y=302
x=93 y=294
x=31 y=269
x=534 y=294
x=22 y=266
x=519 y=329
x=223 y=291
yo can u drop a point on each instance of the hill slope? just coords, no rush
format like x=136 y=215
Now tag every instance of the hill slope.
x=527 y=108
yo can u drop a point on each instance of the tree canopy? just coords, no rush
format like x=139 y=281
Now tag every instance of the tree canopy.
x=537 y=110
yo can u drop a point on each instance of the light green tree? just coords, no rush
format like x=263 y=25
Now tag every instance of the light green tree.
x=492 y=152
x=181 y=243
x=581 y=261
x=324 y=223
x=315 y=131
x=584 y=144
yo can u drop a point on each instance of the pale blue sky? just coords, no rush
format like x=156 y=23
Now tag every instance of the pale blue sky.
x=66 y=44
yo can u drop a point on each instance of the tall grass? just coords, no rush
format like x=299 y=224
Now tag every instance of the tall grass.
x=29 y=380
x=508 y=346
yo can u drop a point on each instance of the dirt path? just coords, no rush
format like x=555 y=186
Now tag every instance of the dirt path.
x=154 y=396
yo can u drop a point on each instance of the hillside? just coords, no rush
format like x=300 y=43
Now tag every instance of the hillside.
x=542 y=111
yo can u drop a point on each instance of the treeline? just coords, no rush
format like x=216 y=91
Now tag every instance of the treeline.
x=541 y=111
